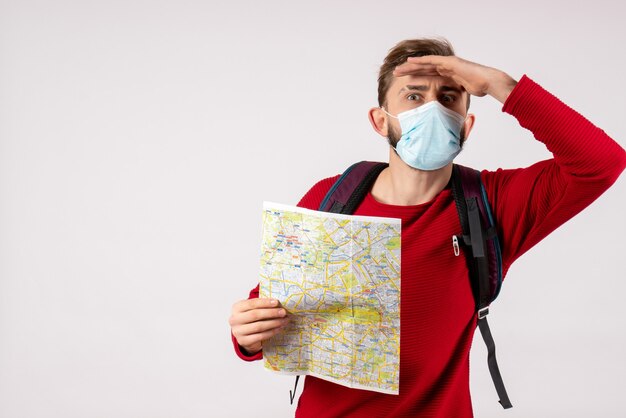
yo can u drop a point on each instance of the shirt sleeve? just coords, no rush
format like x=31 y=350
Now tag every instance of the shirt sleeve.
x=531 y=202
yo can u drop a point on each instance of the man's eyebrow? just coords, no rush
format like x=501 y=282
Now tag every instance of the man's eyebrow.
x=413 y=87
x=451 y=88
x=424 y=88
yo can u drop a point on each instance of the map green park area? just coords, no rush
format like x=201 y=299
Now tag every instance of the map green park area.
x=338 y=277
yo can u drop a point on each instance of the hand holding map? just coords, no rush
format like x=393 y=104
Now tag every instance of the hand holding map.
x=255 y=320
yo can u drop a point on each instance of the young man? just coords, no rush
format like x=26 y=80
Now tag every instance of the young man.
x=424 y=92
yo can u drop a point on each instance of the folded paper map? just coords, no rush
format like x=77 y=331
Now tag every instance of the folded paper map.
x=338 y=277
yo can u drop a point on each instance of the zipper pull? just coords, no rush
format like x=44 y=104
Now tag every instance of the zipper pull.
x=455 y=245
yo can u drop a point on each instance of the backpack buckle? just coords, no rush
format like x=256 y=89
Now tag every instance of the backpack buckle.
x=483 y=312
x=455 y=245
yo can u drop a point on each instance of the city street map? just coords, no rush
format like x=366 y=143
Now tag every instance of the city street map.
x=338 y=277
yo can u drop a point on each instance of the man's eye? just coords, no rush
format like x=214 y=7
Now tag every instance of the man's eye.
x=413 y=97
x=447 y=98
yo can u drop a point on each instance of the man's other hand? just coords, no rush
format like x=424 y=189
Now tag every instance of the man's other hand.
x=255 y=320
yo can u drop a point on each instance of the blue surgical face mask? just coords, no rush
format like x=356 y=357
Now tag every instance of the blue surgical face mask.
x=430 y=136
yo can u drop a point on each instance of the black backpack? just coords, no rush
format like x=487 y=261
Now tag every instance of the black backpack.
x=478 y=238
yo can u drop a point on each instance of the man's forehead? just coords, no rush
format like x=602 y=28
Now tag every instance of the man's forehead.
x=424 y=82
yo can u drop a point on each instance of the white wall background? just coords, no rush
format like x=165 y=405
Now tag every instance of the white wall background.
x=139 y=138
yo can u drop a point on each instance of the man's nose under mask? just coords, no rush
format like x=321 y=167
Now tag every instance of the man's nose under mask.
x=430 y=136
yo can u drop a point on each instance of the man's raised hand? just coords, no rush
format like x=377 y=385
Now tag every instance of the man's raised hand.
x=477 y=79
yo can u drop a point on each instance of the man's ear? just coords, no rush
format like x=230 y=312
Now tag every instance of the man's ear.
x=378 y=121
x=469 y=124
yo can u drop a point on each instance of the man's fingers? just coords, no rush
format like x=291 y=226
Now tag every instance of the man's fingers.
x=255 y=320
x=254 y=303
x=261 y=327
x=430 y=59
x=416 y=65
x=251 y=336
x=243 y=315
x=255 y=315
x=250 y=340
x=427 y=65
x=422 y=69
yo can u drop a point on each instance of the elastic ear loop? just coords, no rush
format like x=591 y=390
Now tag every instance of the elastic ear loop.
x=383 y=109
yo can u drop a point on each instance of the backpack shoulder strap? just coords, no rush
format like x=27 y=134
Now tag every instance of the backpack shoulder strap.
x=483 y=256
x=475 y=212
x=351 y=187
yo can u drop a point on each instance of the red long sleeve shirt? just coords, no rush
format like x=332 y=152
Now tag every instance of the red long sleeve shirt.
x=437 y=314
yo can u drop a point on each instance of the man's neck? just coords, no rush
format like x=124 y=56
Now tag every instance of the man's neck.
x=402 y=185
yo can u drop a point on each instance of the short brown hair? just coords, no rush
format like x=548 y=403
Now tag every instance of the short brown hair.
x=403 y=50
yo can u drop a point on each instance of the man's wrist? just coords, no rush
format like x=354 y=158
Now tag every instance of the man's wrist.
x=501 y=86
x=248 y=353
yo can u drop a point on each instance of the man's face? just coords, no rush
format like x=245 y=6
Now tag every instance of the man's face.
x=408 y=92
